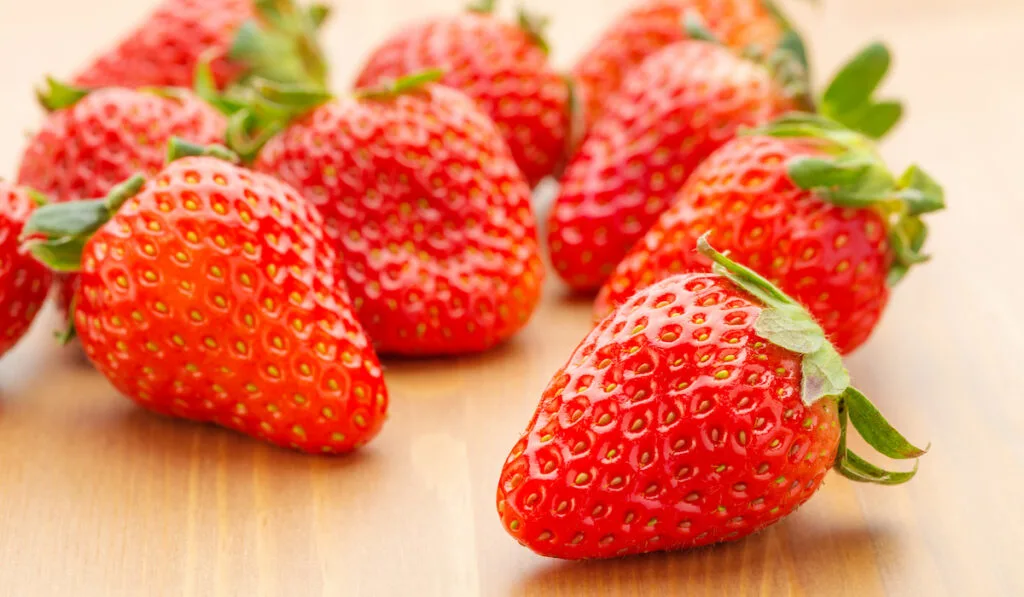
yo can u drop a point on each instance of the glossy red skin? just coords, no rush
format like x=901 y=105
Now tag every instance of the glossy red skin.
x=81 y=152
x=24 y=282
x=655 y=24
x=672 y=112
x=163 y=49
x=673 y=425
x=432 y=215
x=211 y=296
x=833 y=260
x=501 y=68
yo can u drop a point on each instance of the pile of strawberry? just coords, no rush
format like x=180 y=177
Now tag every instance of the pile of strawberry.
x=232 y=243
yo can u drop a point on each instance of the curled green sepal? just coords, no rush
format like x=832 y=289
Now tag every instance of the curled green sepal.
x=69 y=332
x=535 y=25
x=577 y=120
x=482 y=6
x=785 y=323
x=179 y=148
x=851 y=173
x=849 y=98
x=401 y=85
x=854 y=467
x=57 y=95
x=260 y=110
x=318 y=14
x=281 y=44
x=876 y=430
x=55 y=234
x=697 y=29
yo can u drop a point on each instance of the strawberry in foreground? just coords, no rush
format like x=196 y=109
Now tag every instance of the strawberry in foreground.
x=656 y=24
x=94 y=139
x=209 y=293
x=423 y=200
x=502 y=66
x=272 y=39
x=24 y=283
x=805 y=202
x=671 y=114
x=707 y=408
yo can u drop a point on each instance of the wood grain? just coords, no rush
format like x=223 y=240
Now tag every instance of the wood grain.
x=100 y=499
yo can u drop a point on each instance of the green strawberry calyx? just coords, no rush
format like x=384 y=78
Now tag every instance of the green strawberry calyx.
x=851 y=173
x=787 y=324
x=787 y=63
x=57 y=95
x=55 y=234
x=482 y=6
x=402 y=85
x=280 y=43
x=848 y=99
x=263 y=109
x=535 y=25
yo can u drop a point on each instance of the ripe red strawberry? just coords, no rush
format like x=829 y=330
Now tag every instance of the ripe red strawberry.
x=777 y=206
x=424 y=201
x=502 y=66
x=656 y=24
x=270 y=38
x=677 y=108
x=211 y=295
x=23 y=282
x=93 y=140
x=705 y=409
x=672 y=112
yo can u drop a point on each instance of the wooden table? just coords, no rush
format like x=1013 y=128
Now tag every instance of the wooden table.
x=98 y=498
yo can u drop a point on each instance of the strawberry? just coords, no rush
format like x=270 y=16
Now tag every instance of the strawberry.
x=503 y=67
x=814 y=209
x=23 y=282
x=94 y=139
x=679 y=106
x=209 y=293
x=656 y=24
x=270 y=38
x=421 y=196
x=705 y=409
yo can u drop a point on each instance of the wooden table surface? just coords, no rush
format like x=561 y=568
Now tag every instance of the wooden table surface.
x=98 y=498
